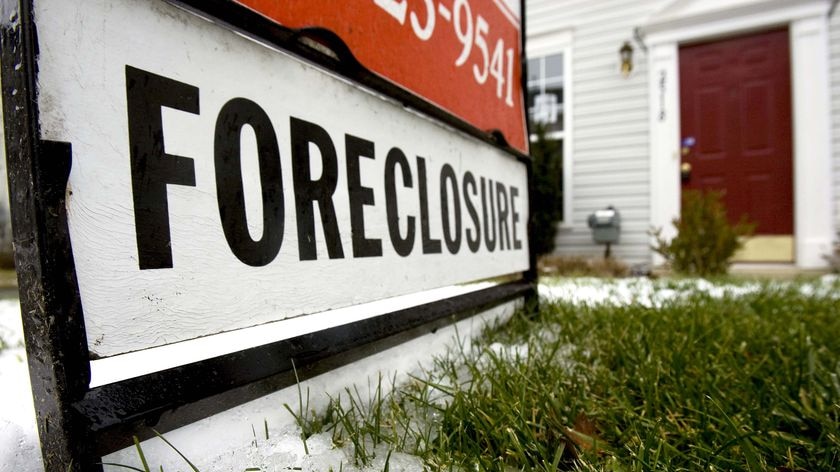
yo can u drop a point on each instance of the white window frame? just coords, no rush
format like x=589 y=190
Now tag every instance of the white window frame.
x=547 y=44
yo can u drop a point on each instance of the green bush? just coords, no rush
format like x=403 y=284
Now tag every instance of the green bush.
x=547 y=204
x=705 y=240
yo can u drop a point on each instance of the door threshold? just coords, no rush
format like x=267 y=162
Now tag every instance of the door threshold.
x=762 y=248
x=773 y=270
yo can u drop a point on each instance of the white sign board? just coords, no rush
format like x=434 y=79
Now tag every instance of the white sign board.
x=218 y=183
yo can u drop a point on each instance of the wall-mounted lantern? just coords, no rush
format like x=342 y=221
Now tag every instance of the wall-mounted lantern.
x=626 y=55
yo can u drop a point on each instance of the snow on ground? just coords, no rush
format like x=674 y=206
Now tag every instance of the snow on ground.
x=642 y=291
x=284 y=449
x=19 y=449
x=654 y=293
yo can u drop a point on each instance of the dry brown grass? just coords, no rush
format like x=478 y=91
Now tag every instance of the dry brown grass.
x=834 y=259
x=580 y=266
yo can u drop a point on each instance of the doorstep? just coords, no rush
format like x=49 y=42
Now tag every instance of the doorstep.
x=773 y=270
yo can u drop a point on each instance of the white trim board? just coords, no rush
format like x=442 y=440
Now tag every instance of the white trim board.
x=699 y=23
x=808 y=27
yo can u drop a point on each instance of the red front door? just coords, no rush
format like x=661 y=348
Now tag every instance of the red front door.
x=735 y=104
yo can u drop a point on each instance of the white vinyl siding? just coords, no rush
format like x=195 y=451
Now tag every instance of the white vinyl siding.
x=610 y=150
x=834 y=72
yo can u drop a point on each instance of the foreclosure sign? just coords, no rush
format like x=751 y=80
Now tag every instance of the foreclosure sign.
x=462 y=55
x=218 y=183
x=184 y=168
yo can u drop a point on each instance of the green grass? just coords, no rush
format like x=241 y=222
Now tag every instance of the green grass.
x=746 y=383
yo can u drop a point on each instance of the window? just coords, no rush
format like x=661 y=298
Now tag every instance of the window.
x=546 y=94
x=549 y=93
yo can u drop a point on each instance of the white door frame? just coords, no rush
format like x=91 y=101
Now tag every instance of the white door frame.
x=807 y=21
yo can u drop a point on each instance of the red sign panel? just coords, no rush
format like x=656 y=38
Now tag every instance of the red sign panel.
x=462 y=55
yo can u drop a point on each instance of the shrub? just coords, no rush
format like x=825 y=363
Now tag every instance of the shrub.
x=547 y=204
x=705 y=240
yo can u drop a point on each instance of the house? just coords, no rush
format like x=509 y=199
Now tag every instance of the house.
x=652 y=97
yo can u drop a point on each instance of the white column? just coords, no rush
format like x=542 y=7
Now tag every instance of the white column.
x=663 y=73
x=813 y=223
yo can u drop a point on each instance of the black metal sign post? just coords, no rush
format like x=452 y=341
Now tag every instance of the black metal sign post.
x=59 y=370
x=78 y=424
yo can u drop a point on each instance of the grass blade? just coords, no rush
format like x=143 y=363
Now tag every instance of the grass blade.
x=192 y=466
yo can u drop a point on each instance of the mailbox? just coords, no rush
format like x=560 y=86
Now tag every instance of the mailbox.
x=606 y=225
